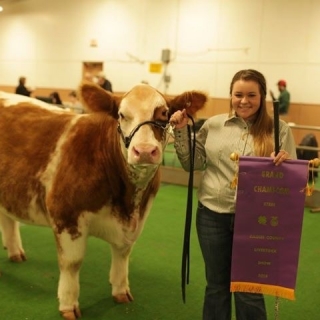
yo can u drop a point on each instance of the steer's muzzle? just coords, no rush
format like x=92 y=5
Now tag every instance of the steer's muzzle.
x=146 y=154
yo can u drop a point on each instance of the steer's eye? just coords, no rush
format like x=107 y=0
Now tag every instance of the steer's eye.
x=161 y=113
x=165 y=113
x=121 y=116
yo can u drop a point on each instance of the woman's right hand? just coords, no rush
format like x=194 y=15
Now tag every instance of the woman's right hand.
x=179 y=119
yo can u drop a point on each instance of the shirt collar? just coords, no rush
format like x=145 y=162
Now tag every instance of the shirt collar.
x=235 y=119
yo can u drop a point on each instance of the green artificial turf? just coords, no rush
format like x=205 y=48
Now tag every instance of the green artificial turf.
x=28 y=290
x=170 y=157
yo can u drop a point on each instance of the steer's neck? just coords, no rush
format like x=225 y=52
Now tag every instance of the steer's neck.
x=141 y=175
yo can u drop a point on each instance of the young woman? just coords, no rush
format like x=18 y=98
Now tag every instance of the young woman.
x=246 y=130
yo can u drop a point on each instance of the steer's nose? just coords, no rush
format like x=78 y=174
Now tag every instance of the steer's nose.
x=146 y=154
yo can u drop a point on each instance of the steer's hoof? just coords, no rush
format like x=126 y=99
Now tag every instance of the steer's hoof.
x=18 y=257
x=123 y=297
x=71 y=314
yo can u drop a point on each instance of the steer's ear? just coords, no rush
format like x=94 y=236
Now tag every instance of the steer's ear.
x=96 y=99
x=192 y=101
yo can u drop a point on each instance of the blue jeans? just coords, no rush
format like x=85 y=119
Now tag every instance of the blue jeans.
x=215 y=234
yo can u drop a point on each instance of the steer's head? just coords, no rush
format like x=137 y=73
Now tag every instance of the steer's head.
x=142 y=115
x=143 y=124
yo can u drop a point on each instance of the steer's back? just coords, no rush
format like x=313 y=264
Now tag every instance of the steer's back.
x=28 y=138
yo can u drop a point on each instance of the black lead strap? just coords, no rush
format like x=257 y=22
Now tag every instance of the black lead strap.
x=276 y=126
x=185 y=268
x=276 y=151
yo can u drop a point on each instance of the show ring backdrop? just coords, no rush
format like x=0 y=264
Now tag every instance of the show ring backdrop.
x=268 y=225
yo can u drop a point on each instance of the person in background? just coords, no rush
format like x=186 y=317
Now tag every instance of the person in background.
x=88 y=76
x=246 y=130
x=104 y=82
x=56 y=98
x=76 y=105
x=22 y=89
x=284 y=97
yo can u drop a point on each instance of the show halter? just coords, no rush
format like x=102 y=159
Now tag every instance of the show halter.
x=164 y=125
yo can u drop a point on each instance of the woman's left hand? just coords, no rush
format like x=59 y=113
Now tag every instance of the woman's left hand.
x=280 y=157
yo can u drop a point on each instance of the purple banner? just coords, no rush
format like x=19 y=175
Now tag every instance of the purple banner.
x=268 y=223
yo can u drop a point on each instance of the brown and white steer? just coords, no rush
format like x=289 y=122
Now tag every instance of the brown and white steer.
x=94 y=174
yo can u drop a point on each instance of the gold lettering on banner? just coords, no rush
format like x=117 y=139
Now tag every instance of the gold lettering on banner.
x=264 y=263
x=256 y=236
x=272 y=174
x=269 y=189
x=264 y=237
x=275 y=238
x=269 y=204
x=262 y=220
x=274 y=220
x=265 y=250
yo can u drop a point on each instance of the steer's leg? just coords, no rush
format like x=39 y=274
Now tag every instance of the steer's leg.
x=119 y=273
x=71 y=251
x=11 y=238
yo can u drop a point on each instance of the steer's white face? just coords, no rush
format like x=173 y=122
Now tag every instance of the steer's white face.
x=143 y=103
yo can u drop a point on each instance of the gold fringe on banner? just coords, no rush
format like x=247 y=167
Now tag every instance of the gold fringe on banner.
x=310 y=186
x=235 y=157
x=251 y=287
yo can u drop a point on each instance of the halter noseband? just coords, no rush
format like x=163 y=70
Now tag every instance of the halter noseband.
x=127 y=140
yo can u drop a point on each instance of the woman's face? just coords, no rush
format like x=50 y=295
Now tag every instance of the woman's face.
x=245 y=98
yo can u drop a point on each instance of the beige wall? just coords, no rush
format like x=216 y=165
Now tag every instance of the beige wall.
x=210 y=40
